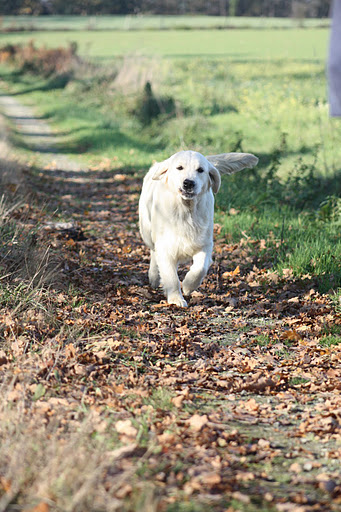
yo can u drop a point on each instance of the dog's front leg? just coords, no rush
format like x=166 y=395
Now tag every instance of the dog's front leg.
x=169 y=278
x=153 y=274
x=201 y=263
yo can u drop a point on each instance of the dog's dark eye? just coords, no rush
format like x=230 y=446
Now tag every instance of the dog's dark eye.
x=200 y=169
x=179 y=168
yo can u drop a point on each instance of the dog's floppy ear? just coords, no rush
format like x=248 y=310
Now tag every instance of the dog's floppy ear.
x=215 y=178
x=160 y=168
x=229 y=163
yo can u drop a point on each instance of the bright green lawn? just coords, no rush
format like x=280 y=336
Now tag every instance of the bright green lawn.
x=235 y=45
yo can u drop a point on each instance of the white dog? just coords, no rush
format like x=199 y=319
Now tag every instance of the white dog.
x=176 y=216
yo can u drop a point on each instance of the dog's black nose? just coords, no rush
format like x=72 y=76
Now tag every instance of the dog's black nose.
x=188 y=185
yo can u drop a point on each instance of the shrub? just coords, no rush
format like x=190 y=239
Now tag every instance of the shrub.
x=42 y=61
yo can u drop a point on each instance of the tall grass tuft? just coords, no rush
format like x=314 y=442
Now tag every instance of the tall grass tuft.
x=150 y=107
x=27 y=268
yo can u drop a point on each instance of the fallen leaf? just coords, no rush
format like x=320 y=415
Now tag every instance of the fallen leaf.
x=125 y=427
x=233 y=273
x=291 y=335
x=295 y=468
x=290 y=507
x=41 y=507
x=197 y=422
x=177 y=400
x=210 y=479
x=243 y=498
x=39 y=392
x=3 y=357
x=5 y=484
x=124 y=491
x=166 y=438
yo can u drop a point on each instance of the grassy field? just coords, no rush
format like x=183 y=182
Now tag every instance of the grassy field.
x=243 y=45
x=111 y=401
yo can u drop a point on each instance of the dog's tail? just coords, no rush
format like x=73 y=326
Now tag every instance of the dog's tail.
x=229 y=163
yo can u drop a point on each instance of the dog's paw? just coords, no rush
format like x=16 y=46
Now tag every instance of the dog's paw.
x=177 y=300
x=188 y=287
x=191 y=283
x=187 y=290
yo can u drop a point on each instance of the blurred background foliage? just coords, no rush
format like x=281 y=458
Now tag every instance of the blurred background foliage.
x=272 y=8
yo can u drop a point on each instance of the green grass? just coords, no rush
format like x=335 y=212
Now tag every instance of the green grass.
x=308 y=247
x=329 y=341
x=263 y=340
x=332 y=336
x=308 y=45
x=161 y=399
x=243 y=90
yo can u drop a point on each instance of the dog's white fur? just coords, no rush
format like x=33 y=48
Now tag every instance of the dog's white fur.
x=176 y=216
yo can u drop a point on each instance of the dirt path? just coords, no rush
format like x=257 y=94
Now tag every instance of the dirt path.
x=241 y=399
x=35 y=133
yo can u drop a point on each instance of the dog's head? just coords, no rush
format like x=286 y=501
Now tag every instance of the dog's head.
x=190 y=174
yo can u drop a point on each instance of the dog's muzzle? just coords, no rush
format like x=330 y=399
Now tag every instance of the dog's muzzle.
x=187 y=189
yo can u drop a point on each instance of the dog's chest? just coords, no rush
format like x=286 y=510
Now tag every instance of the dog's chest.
x=191 y=232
